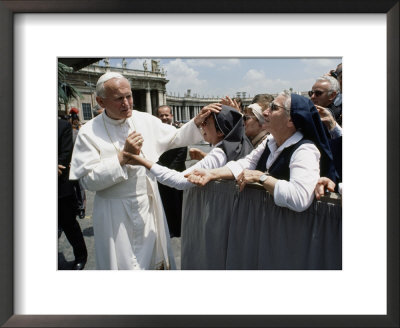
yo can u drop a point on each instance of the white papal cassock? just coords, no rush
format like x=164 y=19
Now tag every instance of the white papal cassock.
x=130 y=228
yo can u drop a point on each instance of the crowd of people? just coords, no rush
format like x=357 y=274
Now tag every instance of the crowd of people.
x=135 y=162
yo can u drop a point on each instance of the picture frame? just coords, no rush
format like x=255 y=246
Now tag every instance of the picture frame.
x=7 y=172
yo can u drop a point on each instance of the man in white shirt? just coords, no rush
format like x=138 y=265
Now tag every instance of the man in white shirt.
x=130 y=229
x=287 y=163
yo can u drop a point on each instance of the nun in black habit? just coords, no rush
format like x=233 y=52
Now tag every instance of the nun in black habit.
x=224 y=130
x=289 y=163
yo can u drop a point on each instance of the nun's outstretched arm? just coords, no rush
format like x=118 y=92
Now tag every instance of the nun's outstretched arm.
x=201 y=177
x=253 y=176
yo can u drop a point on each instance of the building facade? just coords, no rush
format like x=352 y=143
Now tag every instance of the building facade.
x=149 y=89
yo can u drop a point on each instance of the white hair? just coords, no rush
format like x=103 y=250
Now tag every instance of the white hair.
x=334 y=84
x=287 y=103
x=103 y=79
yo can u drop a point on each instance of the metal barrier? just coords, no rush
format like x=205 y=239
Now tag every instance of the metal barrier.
x=224 y=229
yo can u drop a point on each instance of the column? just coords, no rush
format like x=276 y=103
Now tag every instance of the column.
x=165 y=97
x=160 y=98
x=148 y=102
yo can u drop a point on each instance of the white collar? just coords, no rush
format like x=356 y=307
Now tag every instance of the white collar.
x=111 y=120
x=293 y=139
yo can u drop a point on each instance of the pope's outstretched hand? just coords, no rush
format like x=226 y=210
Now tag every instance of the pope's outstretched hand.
x=206 y=111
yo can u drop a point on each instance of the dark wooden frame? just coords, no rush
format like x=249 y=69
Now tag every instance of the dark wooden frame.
x=9 y=8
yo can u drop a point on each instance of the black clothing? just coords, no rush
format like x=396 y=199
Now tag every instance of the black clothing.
x=174 y=159
x=172 y=198
x=67 y=207
x=65 y=145
x=306 y=119
x=67 y=203
x=336 y=112
x=336 y=147
x=235 y=143
x=280 y=168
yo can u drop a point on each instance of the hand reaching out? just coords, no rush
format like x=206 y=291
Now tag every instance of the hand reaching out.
x=229 y=102
x=199 y=177
x=326 y=117
x=248 y=176
x=137 y=160
x=196 y=154
x=133 y=145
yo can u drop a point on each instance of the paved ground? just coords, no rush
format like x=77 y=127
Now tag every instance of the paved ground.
x=65 y=254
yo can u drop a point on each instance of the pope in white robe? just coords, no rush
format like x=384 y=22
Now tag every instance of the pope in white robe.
x=130 y=229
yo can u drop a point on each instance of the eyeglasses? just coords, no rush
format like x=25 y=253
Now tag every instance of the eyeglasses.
x=274 y=107
x=247 y=117
x=317 y=93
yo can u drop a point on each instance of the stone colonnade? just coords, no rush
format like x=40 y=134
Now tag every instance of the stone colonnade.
x=185 y=112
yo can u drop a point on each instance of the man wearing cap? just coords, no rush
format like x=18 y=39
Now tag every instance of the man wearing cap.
x=288 y=163
x=130 y=229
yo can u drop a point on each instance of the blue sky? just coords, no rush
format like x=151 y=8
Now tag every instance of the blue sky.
x=226 y=76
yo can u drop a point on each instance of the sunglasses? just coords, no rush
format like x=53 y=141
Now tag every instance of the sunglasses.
x=316 y=92
x=274 y=107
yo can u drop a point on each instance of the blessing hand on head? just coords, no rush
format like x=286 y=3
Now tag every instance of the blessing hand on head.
x=206 y=111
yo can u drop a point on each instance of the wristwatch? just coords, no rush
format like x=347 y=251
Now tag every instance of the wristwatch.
x=263 y=178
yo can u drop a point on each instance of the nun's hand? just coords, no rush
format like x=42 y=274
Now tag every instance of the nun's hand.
x=199 y=177
x=322 y=184
x=248 y=176
x=196 y=154
x=326 y=117
x=205 y=112
x=231 y=103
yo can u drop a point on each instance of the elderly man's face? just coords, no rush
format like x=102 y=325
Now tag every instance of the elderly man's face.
x=320 y=94
x=118 y=100
x=164 y=114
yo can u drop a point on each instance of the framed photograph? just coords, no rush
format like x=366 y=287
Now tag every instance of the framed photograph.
x=364 y=33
